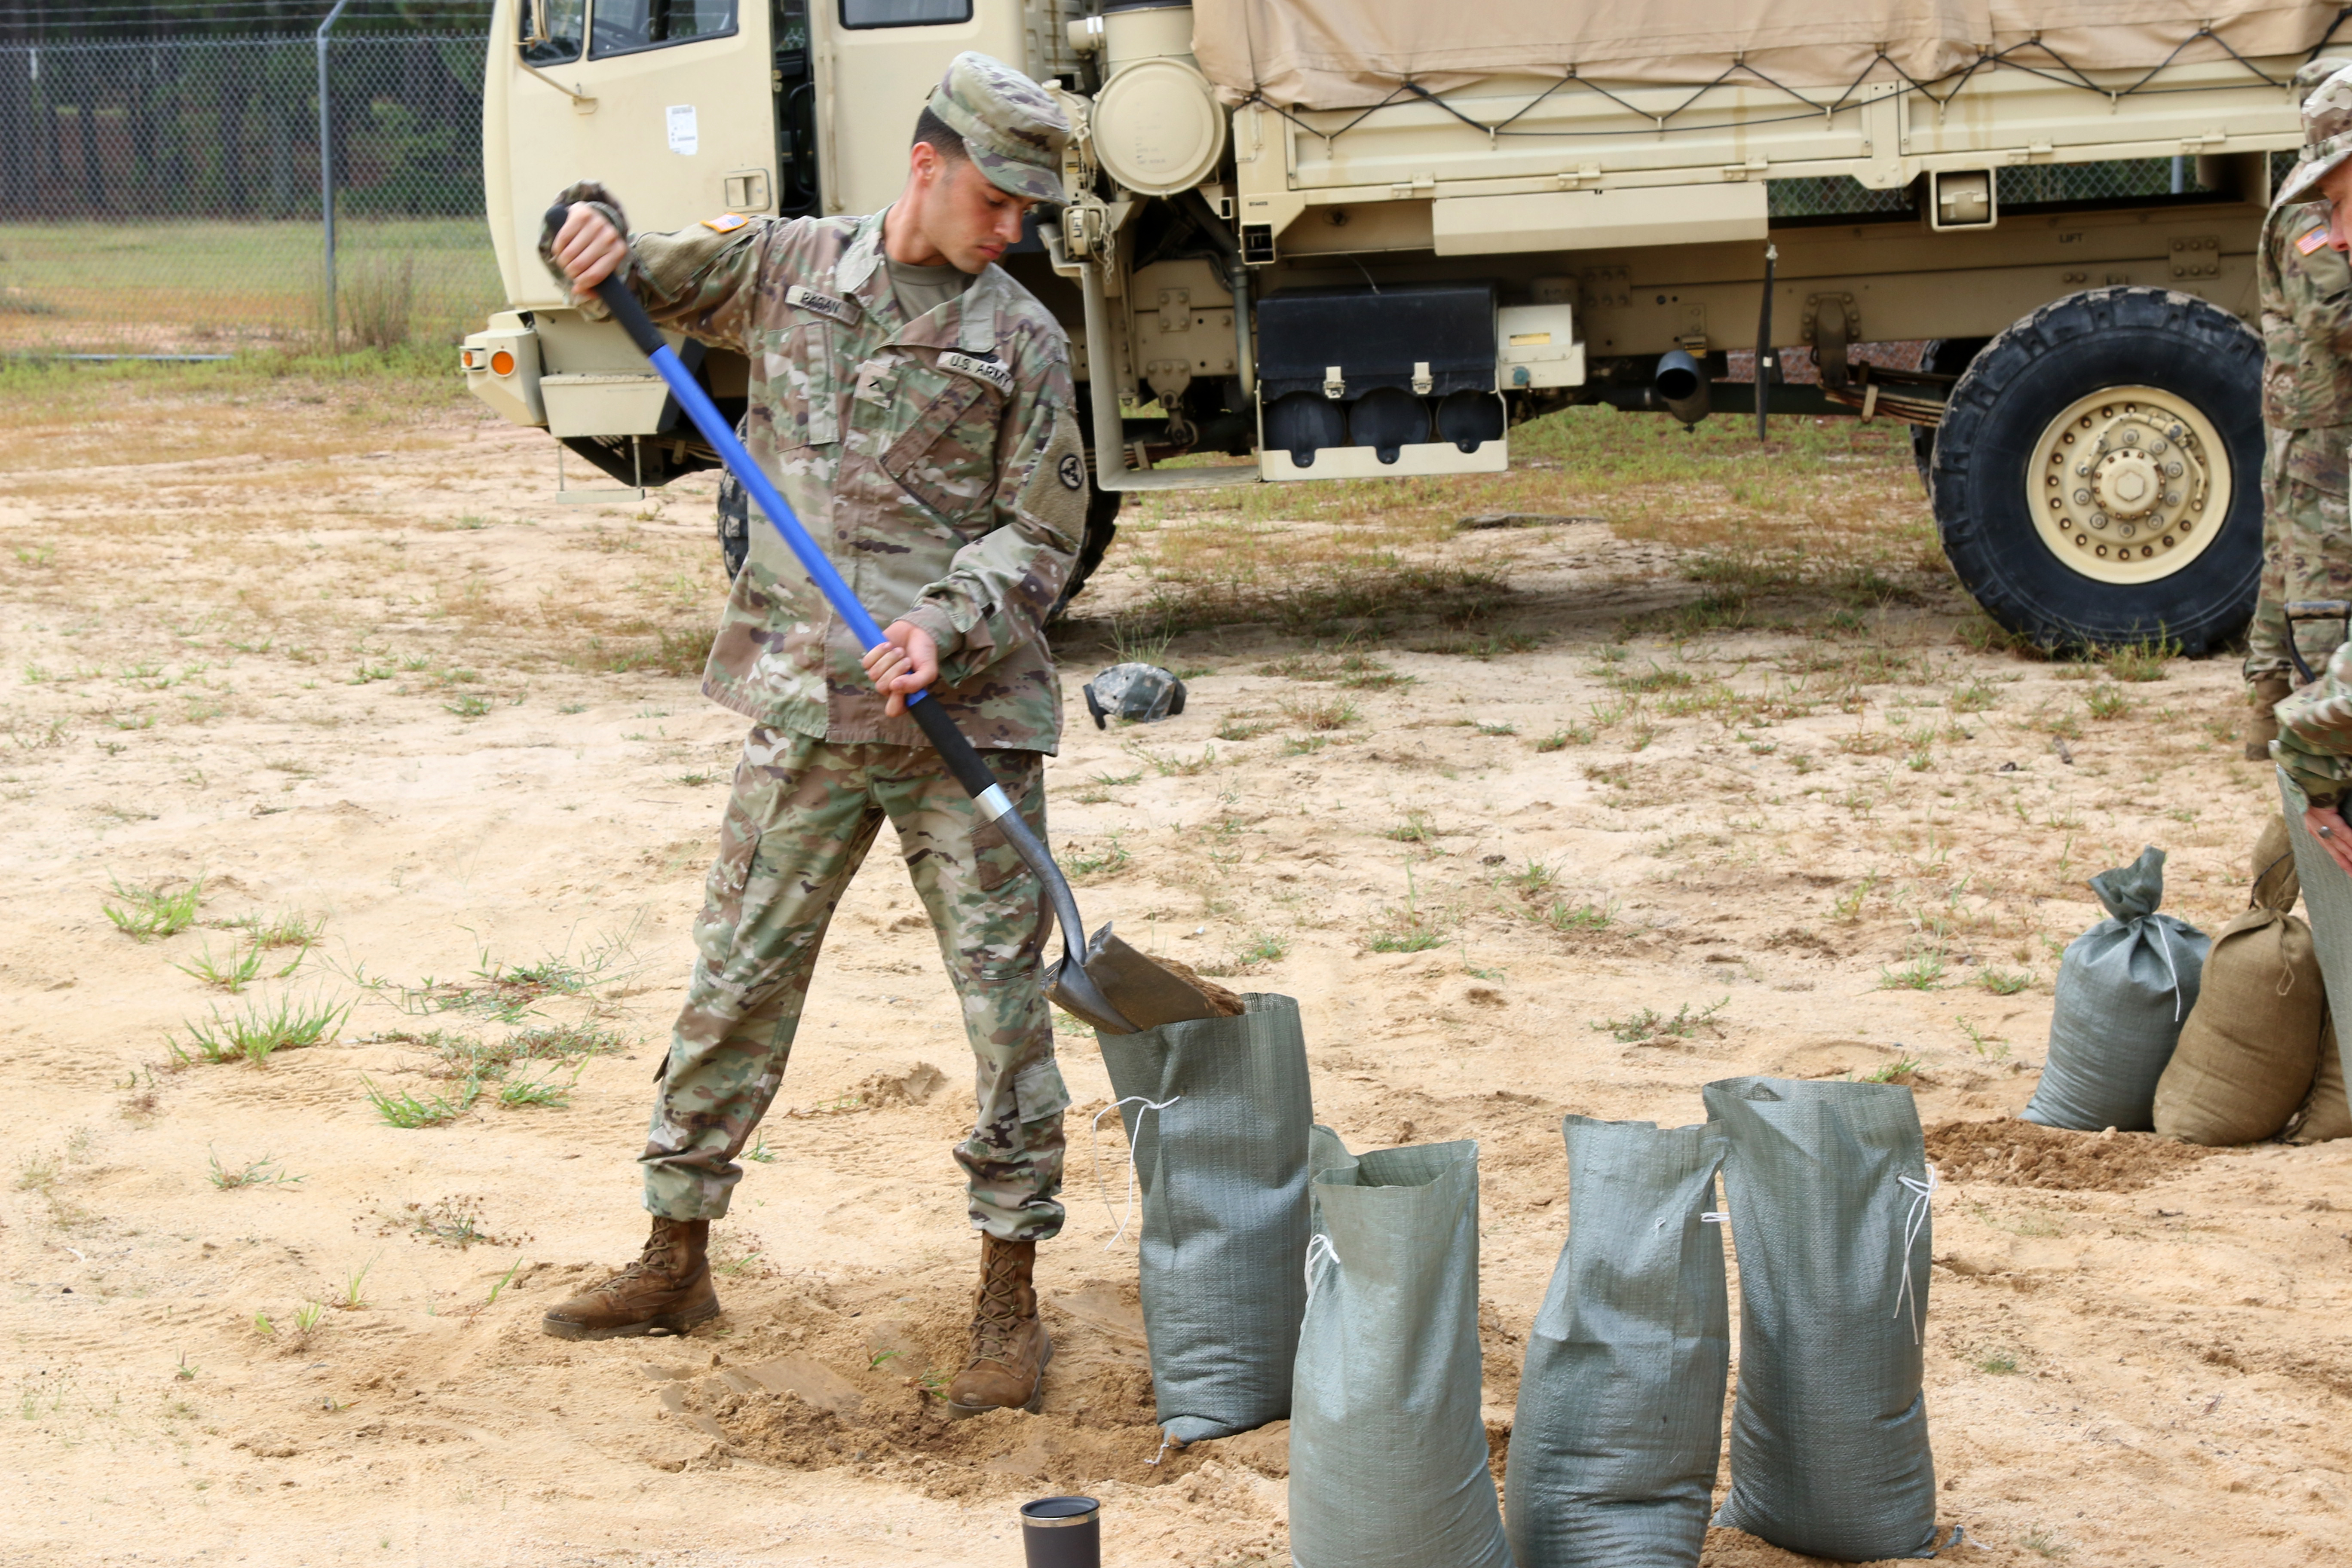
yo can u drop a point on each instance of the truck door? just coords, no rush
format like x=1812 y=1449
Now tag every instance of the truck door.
x=799 y=192
x=670 y=103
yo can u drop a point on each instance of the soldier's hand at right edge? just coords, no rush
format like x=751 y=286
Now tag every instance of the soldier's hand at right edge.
x=588 y=248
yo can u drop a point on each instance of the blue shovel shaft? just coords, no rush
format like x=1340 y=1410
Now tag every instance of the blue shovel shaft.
x=962 y=760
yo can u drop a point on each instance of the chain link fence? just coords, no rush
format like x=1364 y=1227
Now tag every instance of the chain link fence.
x=163 y=196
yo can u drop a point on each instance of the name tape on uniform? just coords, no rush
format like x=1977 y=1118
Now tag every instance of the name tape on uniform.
x=2311 y=241
x=822 y=304
x=994 y=372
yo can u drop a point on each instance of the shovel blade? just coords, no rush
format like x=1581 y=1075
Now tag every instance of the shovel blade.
x=1146 y=994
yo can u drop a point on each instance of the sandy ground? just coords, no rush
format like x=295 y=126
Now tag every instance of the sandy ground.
x=356 y=668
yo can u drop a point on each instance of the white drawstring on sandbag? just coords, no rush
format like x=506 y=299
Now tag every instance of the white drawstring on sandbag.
x=1922 y=1192
x=1329 y=1251
x=1096 y=1128
x=2164 y=946
x=1716 y=1217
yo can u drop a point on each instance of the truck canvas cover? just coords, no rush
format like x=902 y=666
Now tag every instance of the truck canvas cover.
x=1348 y=54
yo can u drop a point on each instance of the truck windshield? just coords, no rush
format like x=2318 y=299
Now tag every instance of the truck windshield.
x=550 y=30
x=624 y=26
x=903 y=13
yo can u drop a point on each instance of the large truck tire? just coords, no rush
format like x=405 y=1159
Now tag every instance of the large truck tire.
x=2097 y=477
x=1102 y=527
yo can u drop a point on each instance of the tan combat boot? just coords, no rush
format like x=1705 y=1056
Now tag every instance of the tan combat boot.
x=1009 y=1347
x=2261 y=725
x=668 y=1287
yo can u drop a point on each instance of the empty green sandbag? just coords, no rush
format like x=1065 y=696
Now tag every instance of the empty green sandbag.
x=1829 y=1193
x=1388 y=1448
x=1620 y=1422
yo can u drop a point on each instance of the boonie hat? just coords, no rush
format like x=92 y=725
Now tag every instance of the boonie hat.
x=2327 y=136
x=1014 y=133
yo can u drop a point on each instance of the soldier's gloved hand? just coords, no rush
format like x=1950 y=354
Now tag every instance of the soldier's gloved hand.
x=903 y=666
x=2326 y=825
x=588 y=248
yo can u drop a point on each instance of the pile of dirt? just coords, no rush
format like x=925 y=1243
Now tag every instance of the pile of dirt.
x=2013 y=1153
x=1224 y=1004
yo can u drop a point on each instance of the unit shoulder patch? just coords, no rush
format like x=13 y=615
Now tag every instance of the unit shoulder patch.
x=725 y=223
x=2311 y=242
x=994 y=372
x=840 y=309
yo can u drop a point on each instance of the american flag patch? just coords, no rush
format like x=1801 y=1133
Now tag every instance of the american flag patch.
x=2311 y=241
x=725 y=223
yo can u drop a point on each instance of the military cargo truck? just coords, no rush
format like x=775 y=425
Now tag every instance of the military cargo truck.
x=1367 y=238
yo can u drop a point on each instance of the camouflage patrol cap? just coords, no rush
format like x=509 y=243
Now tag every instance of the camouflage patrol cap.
x=1013 y=130
x=2327 y=136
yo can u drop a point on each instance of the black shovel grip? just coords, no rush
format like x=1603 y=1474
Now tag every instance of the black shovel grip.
x=617 y=298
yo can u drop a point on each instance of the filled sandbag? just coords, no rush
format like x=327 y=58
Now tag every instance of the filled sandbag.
x=2277 y=884
x=2324 y=1116
x=1615 y=1443
x=1217 y=1113
x=1829 y=1217
x=1388 y=1449
x=2125 y=987
x=2250 y=1048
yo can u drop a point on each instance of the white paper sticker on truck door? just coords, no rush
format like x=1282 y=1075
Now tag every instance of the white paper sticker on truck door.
x=684 y=138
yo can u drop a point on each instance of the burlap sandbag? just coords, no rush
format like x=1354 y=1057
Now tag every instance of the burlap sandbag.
x=2276 y=884
x=2326 y=1116
x=2250 y=1046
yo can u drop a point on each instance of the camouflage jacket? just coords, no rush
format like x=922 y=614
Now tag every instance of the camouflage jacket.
x=2307 y=315
x=2315 y=740
x=936 y=461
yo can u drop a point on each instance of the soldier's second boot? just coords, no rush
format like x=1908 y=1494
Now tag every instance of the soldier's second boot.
x=2261 y=724
x=1009 y=1345
x=668 y=1287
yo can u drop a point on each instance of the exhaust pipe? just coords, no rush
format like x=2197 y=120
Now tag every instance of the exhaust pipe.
x=1681 y=387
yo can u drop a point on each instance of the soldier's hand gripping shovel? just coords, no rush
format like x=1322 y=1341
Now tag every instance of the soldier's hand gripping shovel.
x=1147 y=993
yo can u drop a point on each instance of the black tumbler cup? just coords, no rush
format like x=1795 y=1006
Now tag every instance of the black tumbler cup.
x=1062 y=1533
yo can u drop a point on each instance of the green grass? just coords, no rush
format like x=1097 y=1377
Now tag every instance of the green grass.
x=176 y=286
x=473 y=1058
x=259 y=1030
x=1925 y=973
x=405 y=1110
x=1650 y=1024
x=232 y=975
x=1901 y=1067
x=146 y=913
x=1563 y=916
x=1414 y=829
x=262 y=1173
x=1107 y=861
x=543 y=1092
x=1997 y=1365
x=2004 y=983
x=2106 y=701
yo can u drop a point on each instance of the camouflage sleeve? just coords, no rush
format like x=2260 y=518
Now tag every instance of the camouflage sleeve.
x=701 y=281
x=996 y=596
x=2315 y=743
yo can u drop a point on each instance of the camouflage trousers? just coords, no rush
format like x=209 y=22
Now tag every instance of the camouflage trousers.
x=2306 y=554
x=803 y=815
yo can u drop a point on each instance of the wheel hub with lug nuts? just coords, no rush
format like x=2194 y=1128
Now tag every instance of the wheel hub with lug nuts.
x=2130 y=484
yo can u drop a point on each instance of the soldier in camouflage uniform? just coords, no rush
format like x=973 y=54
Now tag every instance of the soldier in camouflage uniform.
x=2306 y=318
x=914 y=406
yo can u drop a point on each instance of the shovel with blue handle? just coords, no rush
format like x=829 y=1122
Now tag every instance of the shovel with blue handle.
x=1145 y=995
